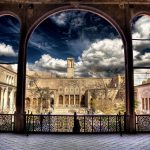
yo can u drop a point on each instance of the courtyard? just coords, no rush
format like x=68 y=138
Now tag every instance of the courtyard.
x=10 y=141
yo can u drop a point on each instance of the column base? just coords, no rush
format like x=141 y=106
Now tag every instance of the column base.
x=130 y=123
x=20 y=122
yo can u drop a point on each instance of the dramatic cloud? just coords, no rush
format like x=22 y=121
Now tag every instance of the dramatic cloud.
x=49 y=64
x=102 y=58
x=72 y=18
x=141 y=30
x=89 y=39
x=7 y=50
x=60 y=19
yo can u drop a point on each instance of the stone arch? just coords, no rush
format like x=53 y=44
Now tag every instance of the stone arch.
x=140 y=13
x=142 y=94
x=82 y=8
x=10 y=13
x=8 y=77
x=93 y=10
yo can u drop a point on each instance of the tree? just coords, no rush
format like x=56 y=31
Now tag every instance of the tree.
x=42 y=94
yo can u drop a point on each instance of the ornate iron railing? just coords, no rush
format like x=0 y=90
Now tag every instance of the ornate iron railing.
x=65 y=123
x=6 y=122
x=143 y=123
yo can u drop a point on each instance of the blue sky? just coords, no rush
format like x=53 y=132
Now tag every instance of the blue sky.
x=68 y=34
x=93 y=43
x=77 y=34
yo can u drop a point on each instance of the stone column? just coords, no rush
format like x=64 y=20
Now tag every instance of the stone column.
x=130 y=119
x=56 y=99
x=5 y=98
x=20 y=118
x=2 y=99
x=69 y=99
x=88 y=97
x=12 y=98
x=74 y=100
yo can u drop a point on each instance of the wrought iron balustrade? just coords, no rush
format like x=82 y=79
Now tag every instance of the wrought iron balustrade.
x=65 y=123
x=143 y=123
x=6 y=122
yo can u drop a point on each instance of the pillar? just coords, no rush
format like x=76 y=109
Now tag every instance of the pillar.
x=69 y=99
x=2 y=99
x=5 y=98
x=20 y=118
x=74 y=100
x=130 y=118
x=12 y=97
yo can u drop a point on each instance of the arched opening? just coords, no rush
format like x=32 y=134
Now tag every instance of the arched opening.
x=141 y=62
x=79 y=48
x=83 y=101
x=71 y=99
x=77 y=100
x=27 y=100
x=9 y=45
x=60 y=99
x=66 y=100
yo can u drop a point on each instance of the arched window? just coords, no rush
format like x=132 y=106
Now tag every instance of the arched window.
x=141 y=62
x=67 y=99
x=77 y=99
x=27 y=103
x=60 y=99
x=9 y=45
x=94 y=47
x=83 y=103
x=71 y=99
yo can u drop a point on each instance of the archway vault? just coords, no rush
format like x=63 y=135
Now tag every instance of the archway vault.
x=119 y=17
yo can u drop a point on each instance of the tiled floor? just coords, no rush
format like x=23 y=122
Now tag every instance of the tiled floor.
x=74 y=142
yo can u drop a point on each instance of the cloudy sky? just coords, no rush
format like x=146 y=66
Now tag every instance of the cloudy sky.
x=93 y=43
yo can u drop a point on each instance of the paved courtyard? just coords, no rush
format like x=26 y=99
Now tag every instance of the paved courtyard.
x=74 y=142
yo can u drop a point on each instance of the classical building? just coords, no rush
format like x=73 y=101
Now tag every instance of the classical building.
x=69 y=94
x=60 y=95
x=29 y=18
x=7 y=89
x=142 y=96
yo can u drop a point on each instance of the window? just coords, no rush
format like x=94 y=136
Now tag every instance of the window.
x=77 y=99
x=146 y=103
x=72 y=99
x=60 y=99
x=67 y=99
x=141 y=61
x=149 y=104
x=82 y=101
x=143 y=104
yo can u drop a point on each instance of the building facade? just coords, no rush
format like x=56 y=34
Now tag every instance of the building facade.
x=143 y=97
x=59 y=95
x=65 y=95
x=7 y=89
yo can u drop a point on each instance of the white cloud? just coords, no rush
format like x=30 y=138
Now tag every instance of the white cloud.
x=14 y=67
x=49 y=64
x=142 y=27
x=7 y=50
x=60 y=19
x=141 y=31
x=104 y=56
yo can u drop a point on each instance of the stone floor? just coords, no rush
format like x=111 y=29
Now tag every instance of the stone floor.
x=74 y=142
